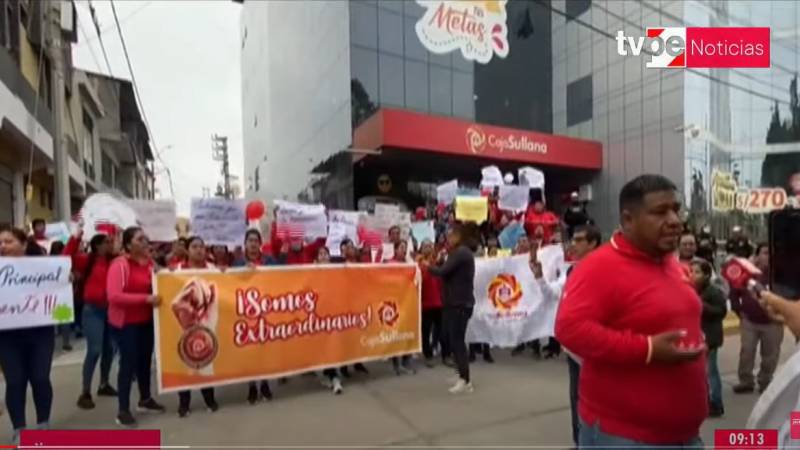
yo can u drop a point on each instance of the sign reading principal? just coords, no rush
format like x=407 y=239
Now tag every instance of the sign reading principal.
x=477 y=28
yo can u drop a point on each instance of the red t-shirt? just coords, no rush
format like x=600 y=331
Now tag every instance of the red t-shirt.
x=613 y=301
x=431 y=290
x=94 y=283
x=128 y=286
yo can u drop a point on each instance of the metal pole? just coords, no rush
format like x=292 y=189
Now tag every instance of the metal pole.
x=61 y=159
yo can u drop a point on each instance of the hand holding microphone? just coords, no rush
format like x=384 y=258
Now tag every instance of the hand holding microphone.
x=741 y=274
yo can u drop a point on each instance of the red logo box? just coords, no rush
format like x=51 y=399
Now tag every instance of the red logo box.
x=794 y=430
x=117 y=439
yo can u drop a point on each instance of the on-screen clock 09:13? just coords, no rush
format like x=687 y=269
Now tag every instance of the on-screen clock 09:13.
x=745 y=439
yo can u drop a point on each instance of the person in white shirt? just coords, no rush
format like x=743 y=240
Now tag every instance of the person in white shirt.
x=585 y=239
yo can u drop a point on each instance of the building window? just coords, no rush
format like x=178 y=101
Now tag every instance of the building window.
x=88 y=145
x=107 y=170
x=577 y=7
x=579 y=100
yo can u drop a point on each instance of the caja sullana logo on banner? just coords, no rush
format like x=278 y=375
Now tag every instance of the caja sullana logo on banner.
x=478 y=28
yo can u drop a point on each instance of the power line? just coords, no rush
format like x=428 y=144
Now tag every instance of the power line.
x=123 y=20
x=91 y=49
x=139 y=98
x=100 y=37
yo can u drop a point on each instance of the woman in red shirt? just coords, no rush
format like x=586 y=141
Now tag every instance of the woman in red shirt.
x=92 y=269
x=431 y=305
x=196 y=258
x=130 y=314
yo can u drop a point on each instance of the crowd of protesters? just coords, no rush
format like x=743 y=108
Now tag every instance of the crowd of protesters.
x=610 y=369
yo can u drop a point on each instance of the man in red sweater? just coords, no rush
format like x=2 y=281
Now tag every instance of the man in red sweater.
x=630 y=312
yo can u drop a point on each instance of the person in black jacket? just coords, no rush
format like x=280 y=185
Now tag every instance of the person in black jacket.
x=714 y=310
x=458 y=273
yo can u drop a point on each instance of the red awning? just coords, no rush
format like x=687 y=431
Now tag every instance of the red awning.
x=404 y=129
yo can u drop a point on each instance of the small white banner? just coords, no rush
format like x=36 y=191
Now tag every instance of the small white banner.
x=35 y=291
x=309 y=218
x=509 y=306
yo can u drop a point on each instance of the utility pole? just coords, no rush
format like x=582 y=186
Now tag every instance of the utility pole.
x=219 y=152
x=52 y=25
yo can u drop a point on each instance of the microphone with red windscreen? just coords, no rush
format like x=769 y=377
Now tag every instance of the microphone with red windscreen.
x=741 y=274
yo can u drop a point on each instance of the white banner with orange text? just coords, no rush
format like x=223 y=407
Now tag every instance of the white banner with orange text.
x=510 y=307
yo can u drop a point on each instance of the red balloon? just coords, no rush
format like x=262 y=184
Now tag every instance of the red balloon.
x=254 y=210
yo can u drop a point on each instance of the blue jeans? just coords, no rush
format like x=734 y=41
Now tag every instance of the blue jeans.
x=714 y=381
x=592 y=437
x=98 y=345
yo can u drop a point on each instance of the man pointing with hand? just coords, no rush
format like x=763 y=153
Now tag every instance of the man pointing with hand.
x=630 y=311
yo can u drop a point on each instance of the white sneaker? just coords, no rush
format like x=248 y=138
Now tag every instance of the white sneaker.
x=461 y=387
x=337 y=386
x=453 y=379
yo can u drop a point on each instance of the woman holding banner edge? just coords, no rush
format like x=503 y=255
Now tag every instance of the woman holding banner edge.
x=196 y=259
x=130 y=314
x=26 y=355
x=253 y=257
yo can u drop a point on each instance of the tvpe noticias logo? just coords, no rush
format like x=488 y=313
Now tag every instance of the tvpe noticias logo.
x=680 y=47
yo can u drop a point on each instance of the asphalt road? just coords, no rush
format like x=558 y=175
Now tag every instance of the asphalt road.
x=517 y=402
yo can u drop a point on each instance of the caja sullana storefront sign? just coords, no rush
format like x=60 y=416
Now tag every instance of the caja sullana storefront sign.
x=477 y=28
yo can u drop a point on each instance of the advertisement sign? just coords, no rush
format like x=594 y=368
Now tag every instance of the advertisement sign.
x=221 y=328
x=35 y=291
x=726 y=195
x=477 y=28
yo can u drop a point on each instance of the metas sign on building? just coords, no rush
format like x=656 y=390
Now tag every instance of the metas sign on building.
x=477 y=28
x=701 y=47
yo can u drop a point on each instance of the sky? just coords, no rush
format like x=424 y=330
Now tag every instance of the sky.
x=186 y=58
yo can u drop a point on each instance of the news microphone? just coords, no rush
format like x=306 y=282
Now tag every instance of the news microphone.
x=741 y=274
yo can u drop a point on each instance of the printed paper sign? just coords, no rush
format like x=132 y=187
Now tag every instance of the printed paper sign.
x=311 y=219
x=35 y=291
x=446 y=193
x=228 y=328
x=472 y=209
x=219 y=221
x=477 y=28
x=513 y=198
x=158 y=218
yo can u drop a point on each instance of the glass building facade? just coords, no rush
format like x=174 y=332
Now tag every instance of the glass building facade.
x=314 y=71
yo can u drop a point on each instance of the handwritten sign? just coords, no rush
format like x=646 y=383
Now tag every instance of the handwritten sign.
x=513 y=198
x=158 y=218
x=342 y=225
x=35 y=291
x=309 y=218
x=472 y=209
x=58 y=231
x=491 y=177
x=510 y=235
x=219 y=221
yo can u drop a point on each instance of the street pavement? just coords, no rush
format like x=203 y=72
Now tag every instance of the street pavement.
x=517 y=402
